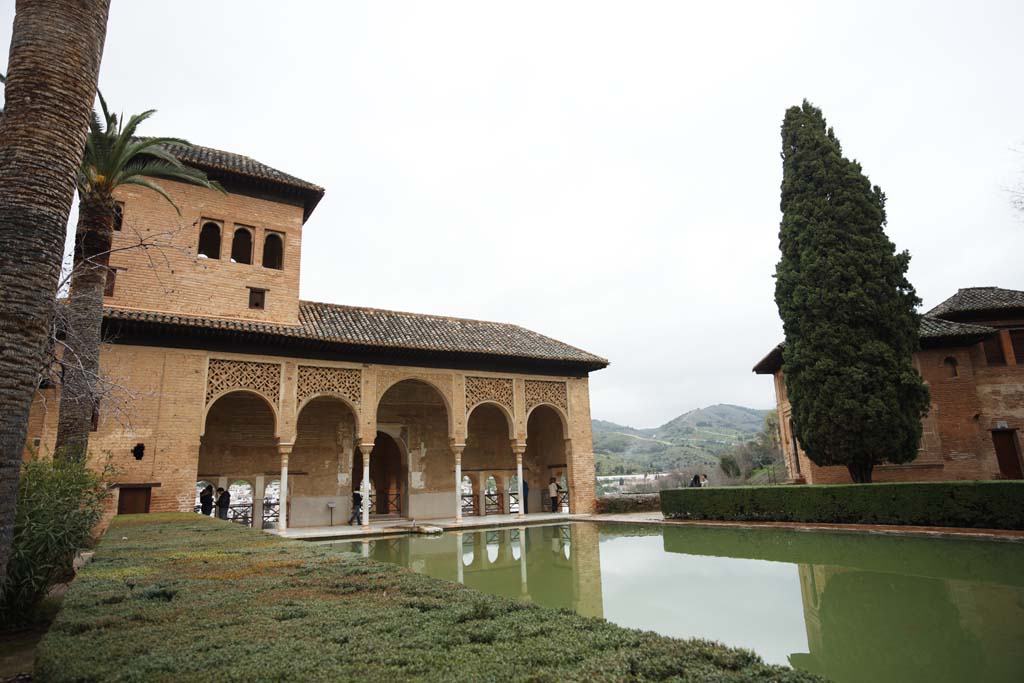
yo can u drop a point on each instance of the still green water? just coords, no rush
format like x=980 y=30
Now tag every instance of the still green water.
x=853 y=607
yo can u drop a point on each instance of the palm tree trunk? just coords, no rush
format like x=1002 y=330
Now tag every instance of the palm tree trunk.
x=79 y=397
x=56 y=46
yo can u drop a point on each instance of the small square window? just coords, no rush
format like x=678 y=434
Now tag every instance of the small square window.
x=257 y=298
x=118 y=215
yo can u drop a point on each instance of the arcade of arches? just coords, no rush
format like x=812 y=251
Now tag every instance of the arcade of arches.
x=421 y=458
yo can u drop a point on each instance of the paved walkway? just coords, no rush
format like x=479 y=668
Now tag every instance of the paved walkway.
x=383 y=527
x=889 y=529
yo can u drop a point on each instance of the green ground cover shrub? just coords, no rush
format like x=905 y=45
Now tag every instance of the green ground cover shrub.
x=970 y=504
x=627 y=502
x=180 y=597
x=60 y=501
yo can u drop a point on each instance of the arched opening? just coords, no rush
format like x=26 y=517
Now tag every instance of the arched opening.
x=271 y=504
x=273 y=251
x=544 y=459
x=950 y=367
x=493 y=546
x=324 y=443
x=387 y=476
x=415 y=416
x=467 y=497
x=489 y=453
x=209 y=241
x=238 y=445
x=516 y=541
x=240 y=511
x=241 y=246
x=513 y=493
x=468 y=545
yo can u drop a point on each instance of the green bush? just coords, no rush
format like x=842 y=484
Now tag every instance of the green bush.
x=172 y=597
x=627 y=502
x=60 y=502
x=971 y=504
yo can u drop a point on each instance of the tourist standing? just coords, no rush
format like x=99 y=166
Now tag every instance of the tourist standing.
x=704 y=481
x=223 y=503
x=206 y=501
x=357 y=508
x=526 y=496
x=553 y=490
x=695 y=482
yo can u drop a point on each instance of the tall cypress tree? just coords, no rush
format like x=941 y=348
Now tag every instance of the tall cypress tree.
x=847 y=308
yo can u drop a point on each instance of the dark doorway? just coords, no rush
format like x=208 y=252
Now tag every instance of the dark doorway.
x=387 y=476
x=1007 y=453
x=133 y=500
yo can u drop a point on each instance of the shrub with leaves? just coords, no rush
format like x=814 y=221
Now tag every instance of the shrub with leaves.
x=60 y=501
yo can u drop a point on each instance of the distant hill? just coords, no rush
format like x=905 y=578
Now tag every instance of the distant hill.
x=692 y=440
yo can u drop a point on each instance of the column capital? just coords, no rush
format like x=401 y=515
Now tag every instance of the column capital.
x=457 y=448
x=518 y=447
x=366 y=449
x=285 y=449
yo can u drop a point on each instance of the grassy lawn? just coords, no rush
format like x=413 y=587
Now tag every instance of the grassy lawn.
x=181 y=597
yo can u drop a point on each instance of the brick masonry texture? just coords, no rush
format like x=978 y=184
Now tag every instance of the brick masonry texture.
x=239 y=421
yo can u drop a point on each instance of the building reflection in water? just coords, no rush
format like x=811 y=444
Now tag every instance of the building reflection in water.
x=893 y=608
x=554 y=566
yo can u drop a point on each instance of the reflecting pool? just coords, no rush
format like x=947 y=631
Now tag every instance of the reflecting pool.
x=853 y=607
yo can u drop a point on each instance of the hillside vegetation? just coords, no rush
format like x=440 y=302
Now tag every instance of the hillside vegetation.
x=693 y=440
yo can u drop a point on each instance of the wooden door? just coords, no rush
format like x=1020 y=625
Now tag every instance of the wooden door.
x=133 y=500
x=1007 y=453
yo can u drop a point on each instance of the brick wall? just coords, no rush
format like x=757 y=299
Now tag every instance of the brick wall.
x=969 y=399
x=174 y=279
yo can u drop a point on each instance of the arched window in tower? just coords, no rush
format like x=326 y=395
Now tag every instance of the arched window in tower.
x=950 y=367
x=273 y=251
x=209 y=240
x=241 y=246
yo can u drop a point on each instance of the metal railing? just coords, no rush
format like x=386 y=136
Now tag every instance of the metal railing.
x=563 y=500
x=271 y=512
x=513 y=501
x=394 y=504
x=492 y=504
x=240 y=513
x=469 y=506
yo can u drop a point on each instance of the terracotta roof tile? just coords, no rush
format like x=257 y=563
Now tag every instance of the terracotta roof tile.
x=376 y=328
x=974 y=299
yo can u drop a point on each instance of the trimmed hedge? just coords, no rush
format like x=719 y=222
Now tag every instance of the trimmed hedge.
x=627 y=502
x=177 y=597
x=967 y=504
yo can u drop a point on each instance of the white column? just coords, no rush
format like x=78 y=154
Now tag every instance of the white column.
x=458 y=553
x=282 y=517
x=457 y=451
x=366 y=548
x=519 y=480
x=257 y=502
x=523 y=587
x=366 y=449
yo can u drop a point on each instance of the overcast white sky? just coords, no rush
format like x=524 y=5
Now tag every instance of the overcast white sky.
x=604 y=173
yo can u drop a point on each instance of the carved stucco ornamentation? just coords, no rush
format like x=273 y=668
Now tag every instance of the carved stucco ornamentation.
x=344 y=382
x=495 y=389
x=540 y=391
x=229 y=375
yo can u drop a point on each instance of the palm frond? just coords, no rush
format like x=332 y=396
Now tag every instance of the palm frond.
x=138 y=180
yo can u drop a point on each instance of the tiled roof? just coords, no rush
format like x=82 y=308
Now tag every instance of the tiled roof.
x=216 y=161
x=373 y=328
x=931 y=329
x=973 y=299
x=937 y=328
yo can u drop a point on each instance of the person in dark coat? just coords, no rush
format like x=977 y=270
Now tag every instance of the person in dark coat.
x=223 y=503
x=695 y=482
x=357 y=508
x=206 y=501
x=526 y=496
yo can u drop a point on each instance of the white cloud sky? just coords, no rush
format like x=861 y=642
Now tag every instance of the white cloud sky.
x=604 y=173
